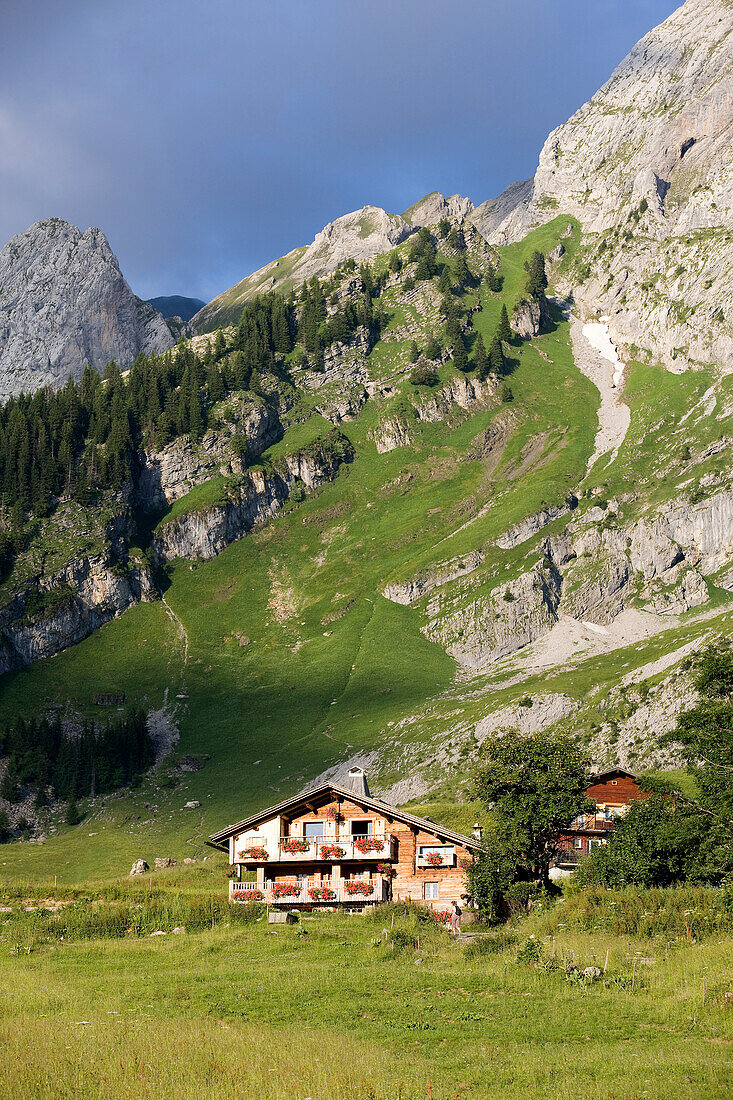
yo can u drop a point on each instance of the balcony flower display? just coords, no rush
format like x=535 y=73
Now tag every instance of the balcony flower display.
x=465 y=863
x=251 y=895
x=366 y=844
x=331 y=814
x=255 y=852
x=434 y=859
x=365 y=889
x=332 y=851
x=386 y=869
x=284 y=890
x=321 y=893
x=294 y=844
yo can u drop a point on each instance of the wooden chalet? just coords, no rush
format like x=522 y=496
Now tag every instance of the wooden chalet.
x=613 y=792
x=335 y=845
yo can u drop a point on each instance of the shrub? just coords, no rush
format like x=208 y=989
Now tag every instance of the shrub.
x=423 y=375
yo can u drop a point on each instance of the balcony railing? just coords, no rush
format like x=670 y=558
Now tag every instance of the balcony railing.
x=292 y=849
x=377 y=889
x=597 y=824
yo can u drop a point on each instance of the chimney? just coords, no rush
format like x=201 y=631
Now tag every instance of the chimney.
x=356 y=781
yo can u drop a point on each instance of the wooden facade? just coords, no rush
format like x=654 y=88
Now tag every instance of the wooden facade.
x=613 y=792
x=337 y=846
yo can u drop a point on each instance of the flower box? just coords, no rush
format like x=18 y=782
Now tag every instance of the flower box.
x=331 y=814
x=366 y=844
x=256 y=853
x=386 y=869
x=294 y=844
x=284 y=890
x=332 y=851
x=364 y=889
x=251 y=895
x=434 y=859
x=321 y=893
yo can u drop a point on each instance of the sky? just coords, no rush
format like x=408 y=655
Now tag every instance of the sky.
x=207 y=137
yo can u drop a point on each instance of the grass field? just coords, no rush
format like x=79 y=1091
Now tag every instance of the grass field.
x=360 y=1008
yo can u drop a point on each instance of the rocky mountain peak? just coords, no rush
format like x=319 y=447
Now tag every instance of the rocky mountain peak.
x=433 y=207
x=64 y=303
x=647 y=164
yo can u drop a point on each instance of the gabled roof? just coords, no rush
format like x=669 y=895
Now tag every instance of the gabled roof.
x=613 y=771
x=217 y=840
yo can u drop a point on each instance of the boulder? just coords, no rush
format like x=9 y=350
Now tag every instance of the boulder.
x=192 y=805
x=164 y=861
x=139 y=867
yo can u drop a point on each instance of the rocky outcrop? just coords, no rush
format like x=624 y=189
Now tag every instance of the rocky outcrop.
x=489 y=216
x=63 y=609
x=647 y=165
x=463 y=392
x=64 y=303
x=528 y=527
x=357 y=236
x=408 y=592
x=531 y=715
x=169 y=474
x=530 y=317
x=260 y=495
x=434 y=207
x=496 y=625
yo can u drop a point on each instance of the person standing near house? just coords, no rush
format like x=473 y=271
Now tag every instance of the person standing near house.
x=455 y=918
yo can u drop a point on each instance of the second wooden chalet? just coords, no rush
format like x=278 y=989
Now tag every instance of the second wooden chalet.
x=613 y=792
x=335 y=845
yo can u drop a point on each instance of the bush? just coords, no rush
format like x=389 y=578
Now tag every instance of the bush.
x=689 y=911
x=423 y=375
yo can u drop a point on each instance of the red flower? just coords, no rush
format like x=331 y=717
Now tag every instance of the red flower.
x=321 y=893
x=357 y=887
x=251 y=895
x=255 y=853
x=294 y=844
x=366 y=844
x=284 y=890
x=332 y=851
x=434 y=859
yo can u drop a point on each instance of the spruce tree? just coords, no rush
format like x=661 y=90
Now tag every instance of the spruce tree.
x=460 y=270
x=504 y=331
x=444 y=283
x=414 y=352
x=480 y=358
x=460 y=358
x=73 y=817
x=496 y=357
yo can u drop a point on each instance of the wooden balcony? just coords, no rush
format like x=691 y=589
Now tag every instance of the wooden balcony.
x=312 y=892
x=447 y=860
x=291 y=849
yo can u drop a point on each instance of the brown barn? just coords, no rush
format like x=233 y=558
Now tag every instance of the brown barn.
x=613 y=792
x=335 y=845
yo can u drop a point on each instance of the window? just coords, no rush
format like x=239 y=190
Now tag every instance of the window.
x=614 y=782
x=445 y=851
x=579 y=820
x=313 y=830
x=578 y=842
x=362 y=828
x=302 y=880
x=430 y=891
x=613 y=813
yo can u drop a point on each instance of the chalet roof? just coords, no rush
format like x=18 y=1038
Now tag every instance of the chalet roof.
x=599 y=778
x=217 y=840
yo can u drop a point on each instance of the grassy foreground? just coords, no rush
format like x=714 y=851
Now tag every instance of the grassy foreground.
x=360 y=1008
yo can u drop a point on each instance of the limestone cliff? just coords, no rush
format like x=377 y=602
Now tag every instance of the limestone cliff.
x=647 y=168
x=64 y=303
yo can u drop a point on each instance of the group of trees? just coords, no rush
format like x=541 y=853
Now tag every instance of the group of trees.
x=534 y=786
x=41 y=755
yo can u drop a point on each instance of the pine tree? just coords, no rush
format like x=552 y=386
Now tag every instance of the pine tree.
x=443 y=227
x=504 y=331
x=496 y=357
x=460 y=358
x=73 y=817
x=537 y=281
x=432 y=351
x=444 y=283
x=480 y=358
x=460 y=270
x=395 y=263
x=414 y=352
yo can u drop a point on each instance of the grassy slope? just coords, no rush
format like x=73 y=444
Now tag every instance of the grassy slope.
x=339 y=1014
x=316 y=679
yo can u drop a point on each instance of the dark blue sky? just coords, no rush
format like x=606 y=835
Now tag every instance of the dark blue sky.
x=207 y=137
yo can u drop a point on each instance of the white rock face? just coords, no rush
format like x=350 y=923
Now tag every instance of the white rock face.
x=65 y=303
x=648 y=163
